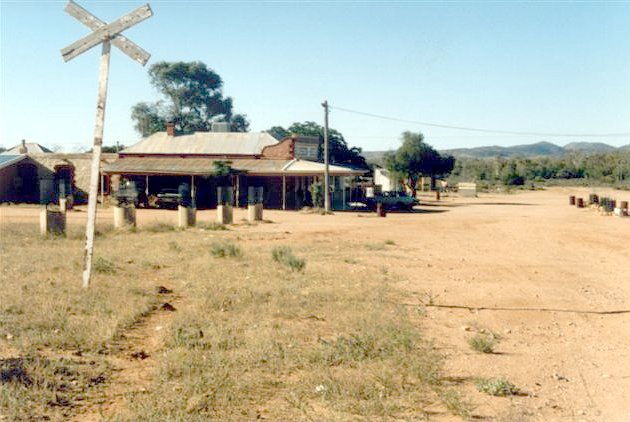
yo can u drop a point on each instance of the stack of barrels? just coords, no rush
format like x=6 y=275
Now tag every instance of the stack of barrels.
x=603 y=204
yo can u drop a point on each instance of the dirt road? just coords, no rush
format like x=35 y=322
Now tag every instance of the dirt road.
x=549 y=277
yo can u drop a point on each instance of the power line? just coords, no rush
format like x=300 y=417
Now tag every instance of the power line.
x=472 y=129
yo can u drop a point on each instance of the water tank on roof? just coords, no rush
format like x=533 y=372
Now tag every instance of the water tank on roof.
x=221 y=127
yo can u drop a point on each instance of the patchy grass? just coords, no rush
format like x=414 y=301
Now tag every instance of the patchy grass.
x=496 y=387
x=159 y=228
x=34 y=387
x=249 y=339
x=482 y=343
x=213 y=226
x=456 y=404
x=104 y=266
x=284 y=255
x=225 y=250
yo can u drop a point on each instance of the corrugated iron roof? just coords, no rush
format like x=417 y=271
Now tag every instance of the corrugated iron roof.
x=8 y=160
x=31 y=147
x=205 y=166
x=203 y=143
x=313 y=167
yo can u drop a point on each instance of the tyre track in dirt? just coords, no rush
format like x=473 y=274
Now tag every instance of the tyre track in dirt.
x=132 y=356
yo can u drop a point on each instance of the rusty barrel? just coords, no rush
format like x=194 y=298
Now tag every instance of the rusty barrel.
x=380 y=210
x=572 y=200
x=623 y=205
x=437 y=195
x=579 y=203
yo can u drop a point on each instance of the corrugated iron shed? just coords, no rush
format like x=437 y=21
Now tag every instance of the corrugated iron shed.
x=203 y=143
x=31 y=147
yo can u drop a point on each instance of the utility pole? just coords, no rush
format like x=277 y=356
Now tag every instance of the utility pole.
x=326 y=167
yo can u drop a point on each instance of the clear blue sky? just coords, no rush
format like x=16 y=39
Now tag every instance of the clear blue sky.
x=543 y=67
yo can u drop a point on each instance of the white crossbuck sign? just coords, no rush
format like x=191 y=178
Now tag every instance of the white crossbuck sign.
x=105 y=34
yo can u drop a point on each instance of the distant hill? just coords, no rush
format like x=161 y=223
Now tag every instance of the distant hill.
x=594 y=147
x=532 y=150
x=540 y=149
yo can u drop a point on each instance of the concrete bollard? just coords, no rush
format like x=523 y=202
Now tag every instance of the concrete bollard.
x=53 y=222
x=63 y=205
x=186 y=217
x=124 y=217
x=224 y=214
x=254 y=212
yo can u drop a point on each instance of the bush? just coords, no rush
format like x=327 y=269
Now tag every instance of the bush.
x=225 y=249
x=482 y=343
x=496 y=387
x=284 y=255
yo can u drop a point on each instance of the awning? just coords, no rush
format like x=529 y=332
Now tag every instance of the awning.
x=205 y=167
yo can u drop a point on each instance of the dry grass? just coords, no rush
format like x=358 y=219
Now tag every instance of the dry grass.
x=249 y=339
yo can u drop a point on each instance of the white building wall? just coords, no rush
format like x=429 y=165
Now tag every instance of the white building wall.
x=383 y=178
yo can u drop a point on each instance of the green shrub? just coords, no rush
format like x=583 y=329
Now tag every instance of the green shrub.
x=284 y=255
x=496 y=387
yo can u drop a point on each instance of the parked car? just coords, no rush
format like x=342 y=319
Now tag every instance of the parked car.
x=165 y=198
x=392 y=200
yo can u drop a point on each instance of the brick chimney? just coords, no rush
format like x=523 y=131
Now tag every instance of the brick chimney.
x=170 y=129
x=23 y=149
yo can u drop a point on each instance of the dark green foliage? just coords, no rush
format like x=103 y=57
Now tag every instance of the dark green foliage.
x=416 y=158
x=605 y=168
x=317 y=191
x=278 y=132
x=193 y=99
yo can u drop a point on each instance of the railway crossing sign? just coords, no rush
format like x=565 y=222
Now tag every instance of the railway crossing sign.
x=105 y=34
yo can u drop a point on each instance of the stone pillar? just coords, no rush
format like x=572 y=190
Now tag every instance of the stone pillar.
x=124 y=216
x=186 y=217
x=53 y=222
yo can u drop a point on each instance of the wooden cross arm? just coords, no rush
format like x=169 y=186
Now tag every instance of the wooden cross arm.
x=123 y=43
x=106 y=32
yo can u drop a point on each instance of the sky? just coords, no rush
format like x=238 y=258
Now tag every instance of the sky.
x=551 y=68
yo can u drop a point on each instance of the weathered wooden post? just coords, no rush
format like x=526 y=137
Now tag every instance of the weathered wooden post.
x=105 y=34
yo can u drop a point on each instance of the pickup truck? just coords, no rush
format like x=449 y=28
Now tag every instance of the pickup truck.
x=392 y=200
